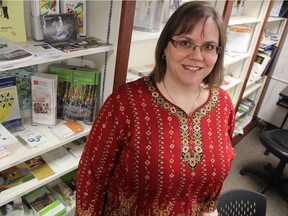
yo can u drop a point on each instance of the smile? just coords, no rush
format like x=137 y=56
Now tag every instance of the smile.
x=192 y=67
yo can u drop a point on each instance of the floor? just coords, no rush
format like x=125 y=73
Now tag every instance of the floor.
x=250 y=153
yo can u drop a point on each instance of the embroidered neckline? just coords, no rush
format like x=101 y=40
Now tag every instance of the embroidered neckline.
x=194 y=157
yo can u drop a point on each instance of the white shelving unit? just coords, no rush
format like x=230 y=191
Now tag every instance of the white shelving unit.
x=236 y=65
x=103 y=21
x=274 y=26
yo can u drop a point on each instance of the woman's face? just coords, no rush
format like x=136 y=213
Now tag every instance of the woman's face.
x=191 y=66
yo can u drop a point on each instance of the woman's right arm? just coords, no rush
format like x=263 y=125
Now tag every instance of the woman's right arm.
x=97 y=162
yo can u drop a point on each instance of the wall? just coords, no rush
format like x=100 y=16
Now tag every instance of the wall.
x=269 y=111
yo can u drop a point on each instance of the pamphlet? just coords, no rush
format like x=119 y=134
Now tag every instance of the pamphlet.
x=39 y=167
x=15 y=176
x=67 y=129
x=33 y=137
x=10 y=114
x=44 y=98
x=6 y=138
x=44 y=203
x=11 y=54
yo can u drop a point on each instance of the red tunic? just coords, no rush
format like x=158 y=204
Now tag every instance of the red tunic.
x=145 y=156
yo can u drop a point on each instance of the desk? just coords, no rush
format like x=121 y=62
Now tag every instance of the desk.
x=283 y=102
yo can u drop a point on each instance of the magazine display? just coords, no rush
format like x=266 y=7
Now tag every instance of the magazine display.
x=44 y=91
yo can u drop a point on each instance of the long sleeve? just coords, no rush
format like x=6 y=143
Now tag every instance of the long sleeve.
x=144 y=155
x=98 y=161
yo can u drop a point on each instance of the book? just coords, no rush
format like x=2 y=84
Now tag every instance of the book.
x=77 y=93
x=3 y=152
x=80 y=43
x=65 y=79
x=13 y=208
x=44 y=98
x=6 y=138
x=67 y=129
x=238 y=39
x=43 y=50
x=70 y=179
x=275 y=11
x=23 y=83
x=148 y=15
x=63 y=192
x=271 y=52
x=141 y=71
x=76 y=147
x=33 y=137
x=58 y=158
x=259 y=67
x=44 y=203
x=79 y=8
x=15 y=176
x=41 y=8
x=39 y=167
x=11 y=54
x=59 y=27
x=10 y=114
x=13 y=21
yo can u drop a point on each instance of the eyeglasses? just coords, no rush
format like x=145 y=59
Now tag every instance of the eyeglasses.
x=186 y=46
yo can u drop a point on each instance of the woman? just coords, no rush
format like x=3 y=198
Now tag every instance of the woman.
x=161 y=145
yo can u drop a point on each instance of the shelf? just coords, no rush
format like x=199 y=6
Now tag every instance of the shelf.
x=232 y=58
x=251 y=88
x=142 y=35
x=232 y=84
x=21 y=152
x=63 y=56
x=239 y=20
x=10 y=195
x=276 y=19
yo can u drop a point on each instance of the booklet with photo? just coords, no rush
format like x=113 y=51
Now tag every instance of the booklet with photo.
x=6 y=138
x=10 y=53
x=59 y=27
x=39 y=167
x=44 y=99
x=33 y=137
x=63 y=192
x=10 y=113
x=15 y=176
x=13 y=208
x=43 y=202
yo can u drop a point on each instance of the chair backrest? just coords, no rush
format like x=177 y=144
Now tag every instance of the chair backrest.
x=241 y=202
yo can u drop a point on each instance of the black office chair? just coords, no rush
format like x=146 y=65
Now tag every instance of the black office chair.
x=276 y=142
x=241 y=202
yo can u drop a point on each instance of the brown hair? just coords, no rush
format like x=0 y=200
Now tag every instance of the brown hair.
x=182 y=21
